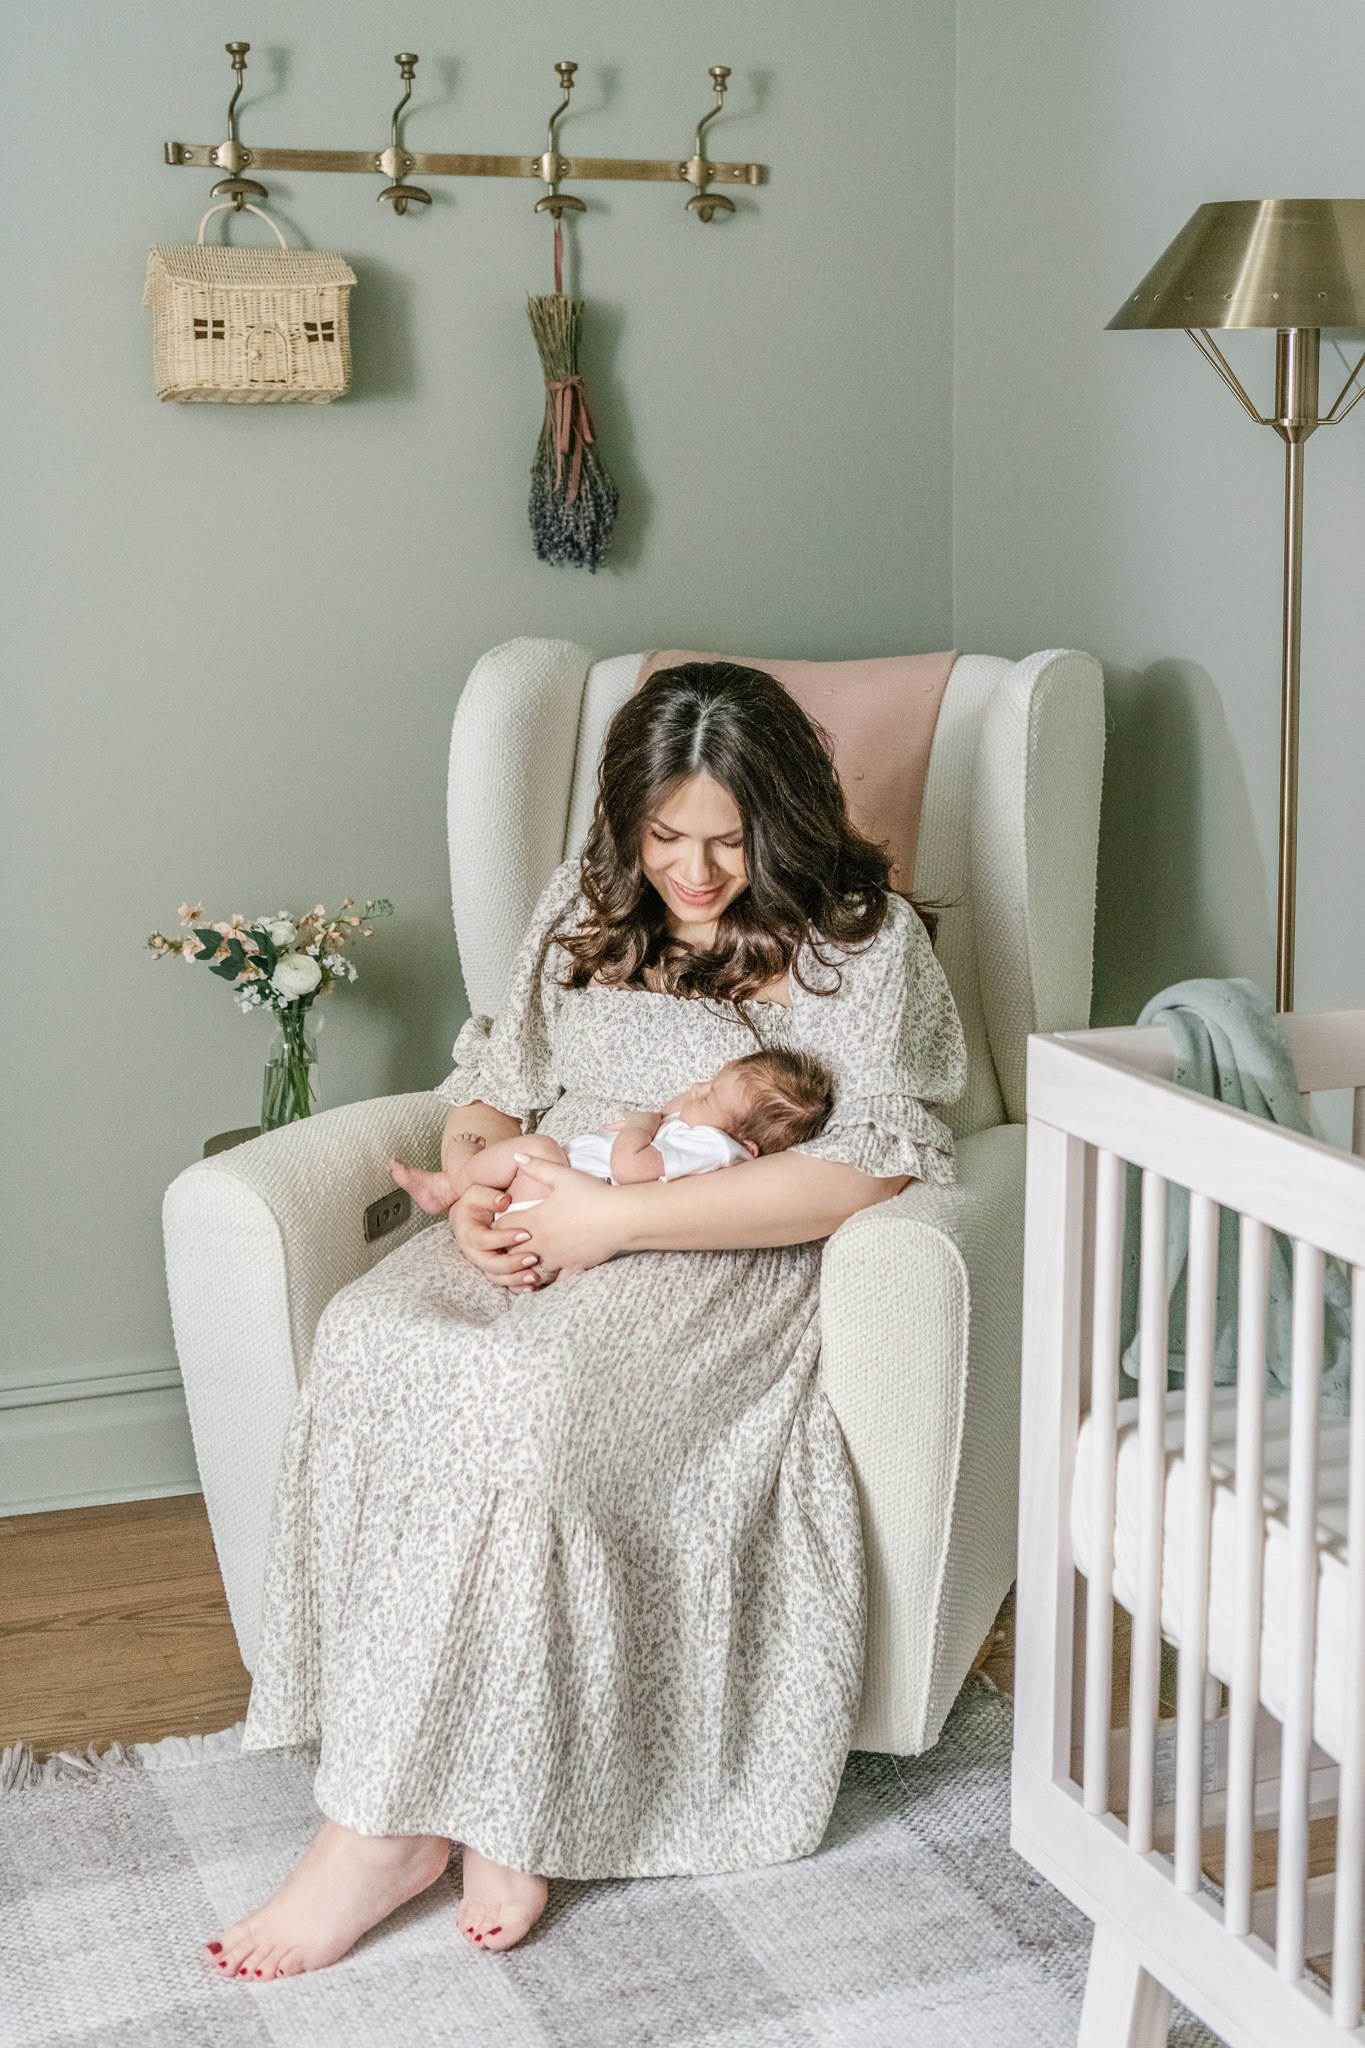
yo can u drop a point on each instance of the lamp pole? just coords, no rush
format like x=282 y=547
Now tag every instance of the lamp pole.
x=1295 y=418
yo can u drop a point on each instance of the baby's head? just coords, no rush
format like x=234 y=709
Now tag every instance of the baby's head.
x=767 y=1100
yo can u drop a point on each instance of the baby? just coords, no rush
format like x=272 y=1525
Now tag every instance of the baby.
x=760 y=1103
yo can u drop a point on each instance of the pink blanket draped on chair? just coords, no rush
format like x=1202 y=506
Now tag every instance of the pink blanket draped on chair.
x=880 y=716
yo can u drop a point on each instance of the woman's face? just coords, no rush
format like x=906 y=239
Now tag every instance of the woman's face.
x=692 y=850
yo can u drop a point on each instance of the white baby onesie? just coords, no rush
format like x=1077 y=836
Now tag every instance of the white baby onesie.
x=684 y=1148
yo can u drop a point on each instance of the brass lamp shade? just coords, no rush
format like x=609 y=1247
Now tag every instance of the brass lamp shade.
x=1258 y=263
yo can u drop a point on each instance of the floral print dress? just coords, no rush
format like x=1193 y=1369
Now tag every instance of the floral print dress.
x=576 y=1576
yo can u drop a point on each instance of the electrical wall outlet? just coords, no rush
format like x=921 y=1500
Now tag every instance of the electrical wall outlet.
x=386 y=1214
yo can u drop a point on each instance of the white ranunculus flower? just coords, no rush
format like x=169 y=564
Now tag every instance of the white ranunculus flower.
x=296 y=974
x=283 y=930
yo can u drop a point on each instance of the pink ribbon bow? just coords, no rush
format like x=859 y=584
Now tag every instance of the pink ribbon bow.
x=573 y=427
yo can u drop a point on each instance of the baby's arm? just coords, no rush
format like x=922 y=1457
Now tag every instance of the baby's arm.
x=633 y=1157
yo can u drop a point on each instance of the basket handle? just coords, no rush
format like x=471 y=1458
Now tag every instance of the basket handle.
x=227 y=207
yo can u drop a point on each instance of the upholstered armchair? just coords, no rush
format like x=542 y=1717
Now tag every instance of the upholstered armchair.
x=920 y=1295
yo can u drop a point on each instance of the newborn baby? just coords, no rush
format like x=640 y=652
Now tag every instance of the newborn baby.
x=760 y=1103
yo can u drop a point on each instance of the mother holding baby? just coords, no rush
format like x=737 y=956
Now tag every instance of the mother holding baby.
x=565 y=1561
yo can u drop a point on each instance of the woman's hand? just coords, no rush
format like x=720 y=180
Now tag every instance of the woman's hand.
x=501 y=1254
x=580 y=1221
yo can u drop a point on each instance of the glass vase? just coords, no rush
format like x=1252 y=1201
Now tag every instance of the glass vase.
x=290 y=1087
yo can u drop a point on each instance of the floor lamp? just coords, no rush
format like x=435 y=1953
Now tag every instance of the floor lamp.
x=1297 y=266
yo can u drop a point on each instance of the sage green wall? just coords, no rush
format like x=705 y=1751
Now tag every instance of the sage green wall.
x=236 y=636
x=1110 y=494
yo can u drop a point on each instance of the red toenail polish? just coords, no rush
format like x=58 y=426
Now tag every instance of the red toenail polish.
x=495 y=1930
x=222 y=1962
x=242 y=1971
x=258 y=1973
x=215 y=1948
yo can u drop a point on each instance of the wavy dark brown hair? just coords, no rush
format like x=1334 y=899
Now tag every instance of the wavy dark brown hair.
x=811 y=874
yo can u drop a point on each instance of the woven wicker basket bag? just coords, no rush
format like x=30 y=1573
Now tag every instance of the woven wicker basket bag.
x=248 y=326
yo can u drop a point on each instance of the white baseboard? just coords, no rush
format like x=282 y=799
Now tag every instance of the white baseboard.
x=117 y=1432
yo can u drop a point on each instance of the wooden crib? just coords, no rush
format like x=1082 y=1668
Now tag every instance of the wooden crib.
x=1219 y=1850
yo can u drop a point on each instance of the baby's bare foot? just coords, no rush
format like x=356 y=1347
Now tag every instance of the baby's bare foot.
x=434 y=1192
x=498 y=1904
x=343 y=1884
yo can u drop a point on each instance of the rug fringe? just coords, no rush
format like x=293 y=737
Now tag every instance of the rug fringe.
x=22 y=1771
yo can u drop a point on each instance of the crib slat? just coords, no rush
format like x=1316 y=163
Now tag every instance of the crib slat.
x=1348 y=1930
x=1253 y=1282
x=1202 y=1295
x=1145 y=1673
x=1358 y=1123
x=1110 y=1174
x=1054 y=1250
x=1291 y=1875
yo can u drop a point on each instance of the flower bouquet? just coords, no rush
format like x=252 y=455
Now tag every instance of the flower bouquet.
x=281 y=963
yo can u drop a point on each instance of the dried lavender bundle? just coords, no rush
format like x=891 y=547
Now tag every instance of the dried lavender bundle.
x=573 y=498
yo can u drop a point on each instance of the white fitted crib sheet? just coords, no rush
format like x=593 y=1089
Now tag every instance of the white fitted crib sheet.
x=1330 y=1653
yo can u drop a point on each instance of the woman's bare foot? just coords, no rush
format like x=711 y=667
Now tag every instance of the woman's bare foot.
x=343 y=1884
x=498 y=1904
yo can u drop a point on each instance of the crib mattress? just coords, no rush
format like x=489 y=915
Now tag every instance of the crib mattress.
x=1330 y=1647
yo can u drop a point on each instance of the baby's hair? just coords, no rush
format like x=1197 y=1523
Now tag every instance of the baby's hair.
x=791 y=1101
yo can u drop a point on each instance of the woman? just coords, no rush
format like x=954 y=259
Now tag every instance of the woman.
x=572 y=1573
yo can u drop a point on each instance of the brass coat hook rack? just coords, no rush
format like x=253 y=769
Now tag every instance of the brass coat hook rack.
x=398 y=164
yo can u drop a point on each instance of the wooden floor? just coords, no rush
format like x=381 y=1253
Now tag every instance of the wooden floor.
x=114 y=1627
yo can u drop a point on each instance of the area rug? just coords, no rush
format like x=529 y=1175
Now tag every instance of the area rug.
x=914 y=1923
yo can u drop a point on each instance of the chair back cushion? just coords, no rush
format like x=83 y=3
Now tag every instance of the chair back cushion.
x=1006 y=847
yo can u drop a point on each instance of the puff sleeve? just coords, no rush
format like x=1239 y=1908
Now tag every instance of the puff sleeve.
x=891 y=1036
x=509 y=1062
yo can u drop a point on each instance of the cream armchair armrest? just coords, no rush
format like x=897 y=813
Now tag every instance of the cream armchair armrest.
x=258 y=1240
x=920 y=1320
